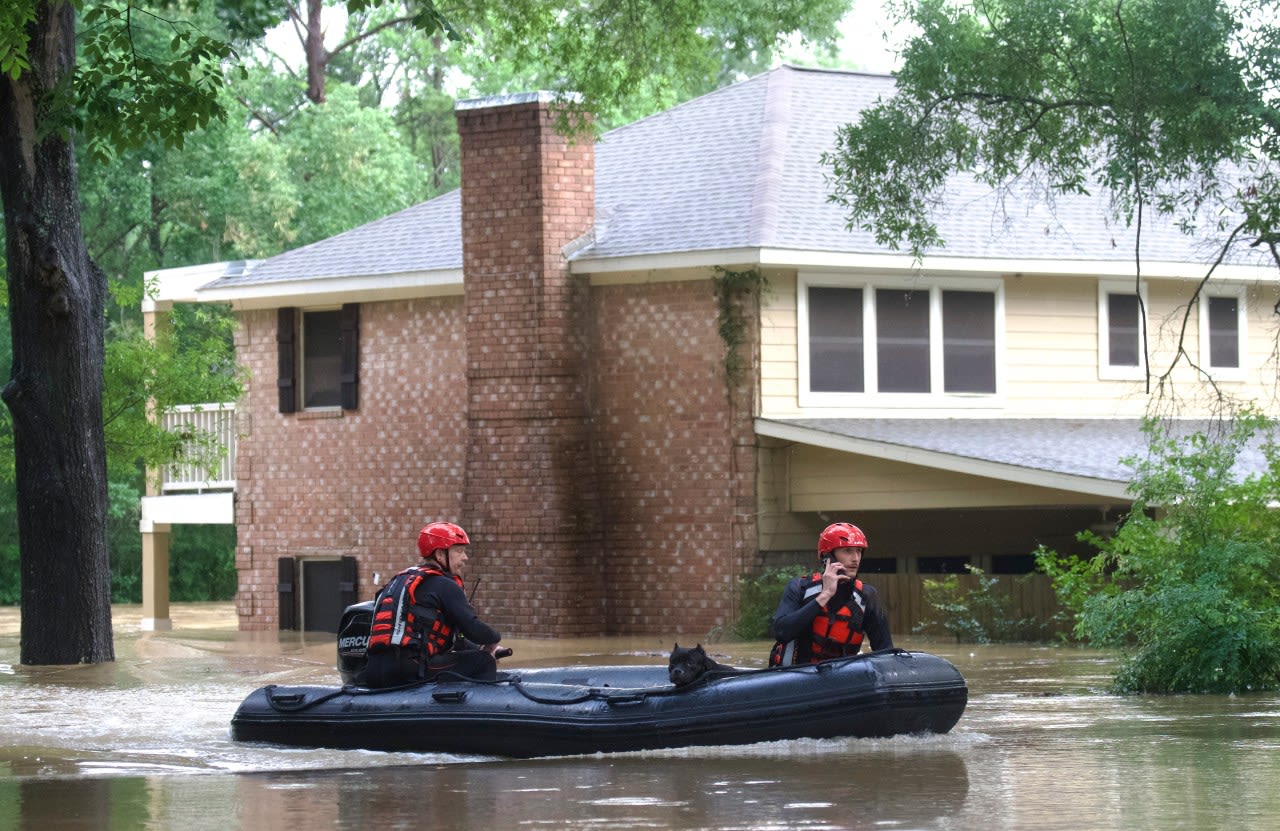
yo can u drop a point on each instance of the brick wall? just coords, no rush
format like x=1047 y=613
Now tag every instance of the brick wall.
x=530 y=492
x=676 y=459
x=358 y=483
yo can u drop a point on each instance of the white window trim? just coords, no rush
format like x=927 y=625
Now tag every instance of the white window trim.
x=1225 y=373
x=901 y=400
x=301 y=370
x=1106 y=371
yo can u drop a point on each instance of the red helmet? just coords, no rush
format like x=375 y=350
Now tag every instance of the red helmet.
x=840 y=535
x=437 y=535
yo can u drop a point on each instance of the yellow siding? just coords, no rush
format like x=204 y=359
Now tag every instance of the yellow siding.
x=1050 y=355
x=825 y=480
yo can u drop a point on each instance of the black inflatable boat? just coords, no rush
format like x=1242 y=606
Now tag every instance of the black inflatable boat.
x=577 y=710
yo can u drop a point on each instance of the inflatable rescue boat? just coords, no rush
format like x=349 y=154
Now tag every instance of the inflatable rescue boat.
x=604 y=709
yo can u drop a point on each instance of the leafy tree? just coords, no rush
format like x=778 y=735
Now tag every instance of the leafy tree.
x=1189 y=585
x=606 y=50
x=1168 y=106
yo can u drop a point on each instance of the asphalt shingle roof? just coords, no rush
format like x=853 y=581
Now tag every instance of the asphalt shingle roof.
x=741 y=168
x=1090 y=448
x=424 y=237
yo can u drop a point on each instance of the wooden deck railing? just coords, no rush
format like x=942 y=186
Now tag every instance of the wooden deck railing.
x=217 y=420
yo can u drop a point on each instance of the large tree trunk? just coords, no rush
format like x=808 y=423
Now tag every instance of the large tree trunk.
x=56 y=297
x=317 y=55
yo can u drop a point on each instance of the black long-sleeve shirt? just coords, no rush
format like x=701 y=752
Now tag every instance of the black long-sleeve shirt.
x=799 y=606
x=447 y=596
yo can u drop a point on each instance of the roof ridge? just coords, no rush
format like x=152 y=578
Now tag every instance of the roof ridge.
x=775 y=120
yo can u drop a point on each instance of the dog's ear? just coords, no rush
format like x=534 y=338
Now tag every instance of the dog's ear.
x=675 y=646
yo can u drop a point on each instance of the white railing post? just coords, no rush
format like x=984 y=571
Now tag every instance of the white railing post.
x=208 y=419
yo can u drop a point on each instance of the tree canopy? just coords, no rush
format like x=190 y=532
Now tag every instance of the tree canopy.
x=1166 y=105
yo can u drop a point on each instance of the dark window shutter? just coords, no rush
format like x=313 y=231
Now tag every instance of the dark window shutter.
x=347 y=588
x=286 y=587
x=350 y=378
x=287 y=347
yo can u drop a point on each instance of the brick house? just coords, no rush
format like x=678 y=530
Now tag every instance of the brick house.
x=542 y=357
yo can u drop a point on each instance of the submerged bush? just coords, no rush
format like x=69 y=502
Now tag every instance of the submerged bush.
x=758 y=599
x=1189 y=585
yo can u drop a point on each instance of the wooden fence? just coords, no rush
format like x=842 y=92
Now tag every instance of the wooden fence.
x=1031 y=597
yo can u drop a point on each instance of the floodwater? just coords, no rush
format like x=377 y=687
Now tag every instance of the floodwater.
x=143 y=743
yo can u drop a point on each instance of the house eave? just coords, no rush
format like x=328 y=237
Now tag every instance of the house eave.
x=329 y=290
x=922 y=457
x=167 y=286
x=895 y=262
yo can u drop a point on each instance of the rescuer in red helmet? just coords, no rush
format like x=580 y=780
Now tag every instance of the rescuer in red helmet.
x=830 y=613
x=423 y=624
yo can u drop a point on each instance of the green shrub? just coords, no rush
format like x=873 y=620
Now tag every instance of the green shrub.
x=982 y=614
x=1189 y=585
x=758 y=598
x=202 y=562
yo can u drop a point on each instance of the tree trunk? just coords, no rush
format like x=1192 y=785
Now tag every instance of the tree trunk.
x=317 y=57
x=56 y=304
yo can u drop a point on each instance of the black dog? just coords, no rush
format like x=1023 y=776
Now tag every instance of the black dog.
x=687 y=665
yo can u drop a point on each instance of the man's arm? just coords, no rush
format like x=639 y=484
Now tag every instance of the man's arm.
x=795 y=614
x=459 y=613
x=875 y=623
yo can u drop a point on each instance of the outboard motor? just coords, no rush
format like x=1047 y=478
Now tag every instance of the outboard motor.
x=353 y=640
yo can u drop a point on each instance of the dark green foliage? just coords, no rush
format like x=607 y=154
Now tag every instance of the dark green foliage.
x=141 y=77
x=124 y=541
x=981 y=614
x=758 y=599
x=10 y=586
x=734 y=290
x=1191 y=590
x=1150 y=100
x=202 y=563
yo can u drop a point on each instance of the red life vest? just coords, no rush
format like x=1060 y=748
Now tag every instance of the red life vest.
x=400 y=620
x=835 y=633
x=839 y=632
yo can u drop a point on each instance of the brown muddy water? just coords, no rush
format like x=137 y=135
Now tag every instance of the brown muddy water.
x=143 y=743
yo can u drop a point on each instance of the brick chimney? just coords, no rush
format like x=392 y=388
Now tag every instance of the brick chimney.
x=530 y=493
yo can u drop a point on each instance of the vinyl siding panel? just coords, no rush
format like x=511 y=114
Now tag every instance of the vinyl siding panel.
x=1050 y=358
x=822 y=480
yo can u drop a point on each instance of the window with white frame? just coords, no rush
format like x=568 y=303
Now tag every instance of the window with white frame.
x=922 y=342
x=1122 y=328
x=1222 y=332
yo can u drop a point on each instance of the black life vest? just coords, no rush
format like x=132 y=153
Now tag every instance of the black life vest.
x=401 y=621
x=835 y=633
